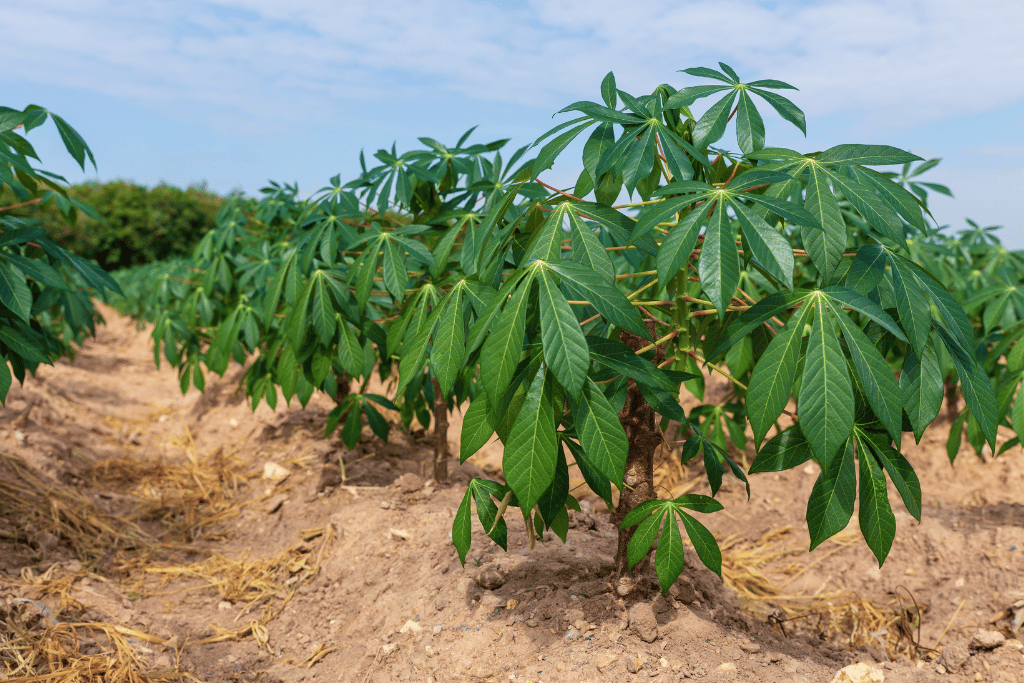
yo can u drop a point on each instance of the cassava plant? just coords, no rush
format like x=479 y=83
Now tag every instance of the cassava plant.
x=45 y=300
x=570 y=324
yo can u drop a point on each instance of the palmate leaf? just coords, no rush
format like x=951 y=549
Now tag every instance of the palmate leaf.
x=711 y=126
x=670 y=558
x=826 y=395
x=565 y=347
x=830 y=505
x=774 y=375
x=530 y=453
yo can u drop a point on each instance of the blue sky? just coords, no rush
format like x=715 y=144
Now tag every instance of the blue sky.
x=236 y=92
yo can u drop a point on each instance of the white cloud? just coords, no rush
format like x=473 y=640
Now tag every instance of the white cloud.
x=880 y=62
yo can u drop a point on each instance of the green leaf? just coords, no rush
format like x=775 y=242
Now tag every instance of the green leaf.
x=826 y=394
x=395 y=276
x=865 y=155
x=876 y=212
x=877 y=523
x=639 y=160
x=977 y=388
x=608 y=90
x=780 y=104
x=487 y=510
x=600 y=432
x=620 y=358
x=755 y=316
x=703 y=542
x=711 y=125
x=353 y=425
x=588 y=250
x=719 y=265
x=915 y=314
x=449 y=350
x=825 y=246
x=902 y=474
x=477 y=426
x=749 y=125
x=956 y=435
x=770 y=248
x=881 y=388
x=565 y=347
x=772 y=380
x=5 y=380
x=609 y=301
x=783 y=452
x=669 y=559
x=73 y=142
x=597 y=482
x=350 y=353
x=552 y=149
x=462 y=527
x=830 y=505
x=504 y=345
x=644 y=536
x=553 y=500
x=322 y=314
x=1017 y=414
x=529 y=459
x=14 y=291
x=921 y=388
x=677 y=248
x=547 y=243
x=849 y=298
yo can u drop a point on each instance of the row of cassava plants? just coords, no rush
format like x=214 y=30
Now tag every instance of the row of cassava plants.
x=45 y=291
x=570 y=323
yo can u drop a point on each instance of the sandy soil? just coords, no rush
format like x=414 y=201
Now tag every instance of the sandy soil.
x=257 y=556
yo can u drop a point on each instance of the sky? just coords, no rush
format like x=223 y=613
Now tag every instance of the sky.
x=234 y=93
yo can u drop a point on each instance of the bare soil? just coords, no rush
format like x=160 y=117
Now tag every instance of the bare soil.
x=243 y=546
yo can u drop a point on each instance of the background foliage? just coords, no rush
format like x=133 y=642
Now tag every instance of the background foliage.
x=139 y=225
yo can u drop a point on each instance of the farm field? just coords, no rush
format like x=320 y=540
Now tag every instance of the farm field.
x=230 y=545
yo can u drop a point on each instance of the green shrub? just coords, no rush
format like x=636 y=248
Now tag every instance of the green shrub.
x=141 y=225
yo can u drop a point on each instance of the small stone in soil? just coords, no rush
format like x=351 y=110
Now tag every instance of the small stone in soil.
x=954 y=657
x=642 y=622
x=385 y=505
x=410 y=627
x=490 y=579
x=987 y=640
x=750 y=648
x=606 y=661
x=409 y=483
x=439 y=605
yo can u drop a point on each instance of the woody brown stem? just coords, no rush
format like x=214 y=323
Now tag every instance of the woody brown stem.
x=440 y=434
x=638 y=419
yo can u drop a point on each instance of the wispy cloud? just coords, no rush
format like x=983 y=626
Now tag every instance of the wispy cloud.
x=309 y=61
